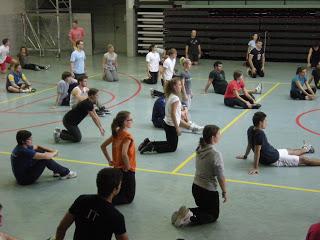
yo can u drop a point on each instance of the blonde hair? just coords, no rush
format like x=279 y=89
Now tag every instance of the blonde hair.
x=109 y=46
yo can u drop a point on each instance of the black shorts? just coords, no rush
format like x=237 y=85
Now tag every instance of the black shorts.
x=194 y=57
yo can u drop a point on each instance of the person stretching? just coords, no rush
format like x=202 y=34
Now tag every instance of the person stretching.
x=297 y=86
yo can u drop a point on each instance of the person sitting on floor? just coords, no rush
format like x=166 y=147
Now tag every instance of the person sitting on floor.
x=17 y=82
x=64 y=88
x=23 y=57
x=297 y=86
x=28 y=161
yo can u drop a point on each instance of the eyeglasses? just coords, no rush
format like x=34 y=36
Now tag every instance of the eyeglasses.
x=129 y=120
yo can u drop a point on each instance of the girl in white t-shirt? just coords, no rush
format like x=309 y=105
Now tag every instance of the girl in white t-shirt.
x=251 y=45
x=172 y=121
x=109 y=65
x=153 y=60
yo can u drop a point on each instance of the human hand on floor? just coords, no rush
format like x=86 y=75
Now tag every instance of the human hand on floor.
x=244 y=157
x=253 y=171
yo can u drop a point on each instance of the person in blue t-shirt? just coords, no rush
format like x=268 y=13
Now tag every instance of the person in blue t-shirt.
x=28 y=161
x=297 y=86
x=77 y=60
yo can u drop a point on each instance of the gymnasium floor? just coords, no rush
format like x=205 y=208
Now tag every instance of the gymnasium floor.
x=280 y=203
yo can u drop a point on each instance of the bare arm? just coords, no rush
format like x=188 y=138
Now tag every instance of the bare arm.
x=122 y=237
x=245 y=156
x=72 y=67
x=45 y=155
x=65 y=223
x=309 y=57
x=124 y=154
x=210 y=80
x=104 y=149
x=309 y=88
x=96 y=120
x=41 y=148
x=245 y=91
x=255 y=169
x=199 y=49
x=302 y=89
x=76 y=93
x=186 y=51
x=222 y=183
x=174 y=107
x=250 y=61
x=263 y=60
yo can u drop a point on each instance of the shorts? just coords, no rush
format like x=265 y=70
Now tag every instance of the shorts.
x=286 y=160
x=194 y=57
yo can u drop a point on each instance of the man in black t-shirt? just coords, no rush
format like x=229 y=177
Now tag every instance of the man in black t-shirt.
x=217 y=78
x=193 y=48
x=94 y=215
x=73 y=118
x=257 y=60
x=266 y=154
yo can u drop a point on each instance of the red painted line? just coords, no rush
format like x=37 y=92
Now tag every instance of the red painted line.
x=298 y=121
x=27 y=127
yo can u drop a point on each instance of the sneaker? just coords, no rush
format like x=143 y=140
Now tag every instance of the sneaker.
x=147 y=148
x=195 y=128
x=183 y=217
x=37 y=68
x=32 y=90
x=55 y=175
x=70 y=175
x=56 y=135
x=308 y=147
x=104 y=110
x=152 y=93
x=259 y=88
x=174 y=217
x=100 y=113
x=144 y=143
x=256 y=106
x=47 y=67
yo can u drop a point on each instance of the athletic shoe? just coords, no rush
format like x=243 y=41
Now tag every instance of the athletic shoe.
x=259 y=88
x=104 y=110
x=308 y=147
x=71 y=174
x=195 y=128
x=152 y=93
x=47 y=67
x=256 y=106
x=144 y=143
x=183 y=217
x=147 y=148
x=56 y=175
x=174 y=217
x=32 y=90
x=56 y=135
x=37 y=68
x=100 y=113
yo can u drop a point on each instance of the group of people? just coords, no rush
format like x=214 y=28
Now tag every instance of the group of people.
x=117 y=185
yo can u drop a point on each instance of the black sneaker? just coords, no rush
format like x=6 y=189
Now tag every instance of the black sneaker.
x=104 y=110
x=256 y=106
x=100 y=113
x=144 y=143
x=147 y=148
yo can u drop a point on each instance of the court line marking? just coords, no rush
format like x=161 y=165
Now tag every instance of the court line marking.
x=267 y=185
x=299 y=123
x=189 y=158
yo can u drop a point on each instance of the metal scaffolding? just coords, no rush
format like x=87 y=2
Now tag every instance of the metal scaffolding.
x=42 y=25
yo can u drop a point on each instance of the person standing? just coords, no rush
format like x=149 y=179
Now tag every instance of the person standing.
x=74 y=117
x=77 y=60
x=4 y=55
x=110 y=64
x=94 y=215
x=209 y=172
x=314 y=55
x=193 y=48
x=28 y=161
x=257 y=60
x=153 y=65
x=76 y=33
x=123 y=155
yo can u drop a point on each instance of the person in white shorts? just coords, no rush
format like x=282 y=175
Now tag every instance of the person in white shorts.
x=266 y=154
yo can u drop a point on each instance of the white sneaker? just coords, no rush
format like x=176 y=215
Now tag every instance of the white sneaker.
x=259 y=88
x=47 y=67
x=71 y=174
x=308 y=147
x=183 y=217
x=195 y=128
x=56 y=135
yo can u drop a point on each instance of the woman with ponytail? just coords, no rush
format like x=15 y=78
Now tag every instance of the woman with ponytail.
x=209 y=171
x=123 y=155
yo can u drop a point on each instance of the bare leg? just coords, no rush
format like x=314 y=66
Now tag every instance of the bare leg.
x=297 y=152
x=309 y=162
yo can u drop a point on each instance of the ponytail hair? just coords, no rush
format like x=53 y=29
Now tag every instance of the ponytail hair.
x=208 y=132
x=118 y=122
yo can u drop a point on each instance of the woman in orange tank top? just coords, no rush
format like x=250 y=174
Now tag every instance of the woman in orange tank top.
x=123 y=155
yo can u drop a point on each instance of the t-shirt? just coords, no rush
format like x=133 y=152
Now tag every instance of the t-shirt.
x=111 y=59
x=314 y=232
x=233 y=85
x=15 y=77
x=23 y=59
x=76 y=34
x=78 y=58
x=79 y=112
x=209 y=165
x=95 y=218
x=83 y=93
x=22 y=160
x=302 y=80
x=186 y=75
x=153 y=59
x=62 y=88
x=117 y=144
x=251 y=44
x=4 y=52
x=172 y=99
x=268 y=153
x=193 y=44
x=257 y=56
x=219 y=82
x=168 y=66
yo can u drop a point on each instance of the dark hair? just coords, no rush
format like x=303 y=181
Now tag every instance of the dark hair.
x=5 y=40
x=23 y=47
x=216 y=63
x=300 y=69
x=92 y=91
x=259 y=40
x=237 y=74
x=208 y=132
x=316 y=43
x=151 y=47
x=171 y=51
x=118 y=122
x=78 y=42
x=107 y=180
x=169 y=86
x=15 y=65
x=22 y=136
x=258 y=117
x=82 y=77
x=75 y=21
x=65 y=75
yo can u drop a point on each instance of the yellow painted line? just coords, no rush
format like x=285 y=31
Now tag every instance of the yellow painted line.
x=185 y=162
x=189 y=175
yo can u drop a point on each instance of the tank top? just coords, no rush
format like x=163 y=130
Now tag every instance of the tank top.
x=83 y=93
x=315 y=57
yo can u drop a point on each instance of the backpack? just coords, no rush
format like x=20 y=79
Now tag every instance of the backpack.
x=158 y=112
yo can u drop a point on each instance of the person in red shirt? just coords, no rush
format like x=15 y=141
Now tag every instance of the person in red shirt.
x=76 y=33
x=123 y=155
x=314 y=232
x=237 y=95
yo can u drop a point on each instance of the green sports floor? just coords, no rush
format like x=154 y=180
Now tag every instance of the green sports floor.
x=279 y=203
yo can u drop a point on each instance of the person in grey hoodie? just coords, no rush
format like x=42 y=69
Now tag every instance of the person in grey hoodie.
x=209 y=171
